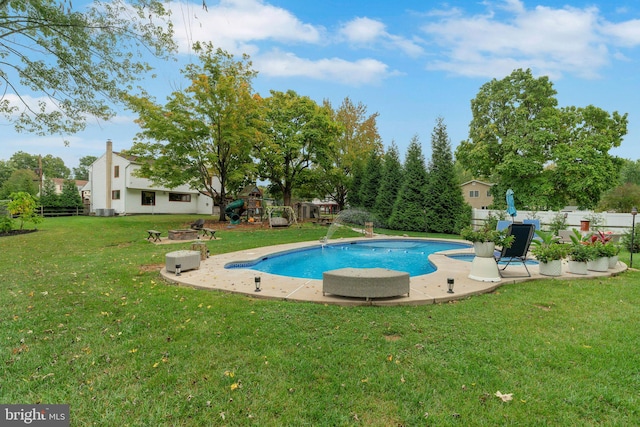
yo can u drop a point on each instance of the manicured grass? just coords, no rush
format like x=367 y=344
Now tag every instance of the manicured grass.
x=86 y=320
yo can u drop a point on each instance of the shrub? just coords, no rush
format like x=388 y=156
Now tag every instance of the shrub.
x=626 y=241
x=6 y=224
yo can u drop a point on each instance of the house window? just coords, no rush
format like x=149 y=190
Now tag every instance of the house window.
x=179 y=197
x=488 y=193
x=148 y=198
x=116 y=171
x=474 y=193
x=115 y=195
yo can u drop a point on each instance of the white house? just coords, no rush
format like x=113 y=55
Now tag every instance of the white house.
x=115 y=189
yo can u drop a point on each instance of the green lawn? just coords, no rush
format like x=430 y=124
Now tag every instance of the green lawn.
x=86 y=320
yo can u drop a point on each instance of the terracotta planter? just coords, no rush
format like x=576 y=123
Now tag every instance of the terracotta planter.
x=551 y=268
x=598 y=264
x=484 y=249
x=578 y=267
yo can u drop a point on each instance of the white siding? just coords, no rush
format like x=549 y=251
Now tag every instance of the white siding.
x=131 y=188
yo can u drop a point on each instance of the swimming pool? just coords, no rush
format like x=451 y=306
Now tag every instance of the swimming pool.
x=410 y=255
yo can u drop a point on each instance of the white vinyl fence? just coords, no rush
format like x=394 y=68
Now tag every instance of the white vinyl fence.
x=617 y=223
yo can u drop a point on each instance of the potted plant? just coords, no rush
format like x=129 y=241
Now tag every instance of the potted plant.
x=600 y=241
x=486 y=239
x=580 y=253
x=484 y=267
x=613 y=249
x=549 y=252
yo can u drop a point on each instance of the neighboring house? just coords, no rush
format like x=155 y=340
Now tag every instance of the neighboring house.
x=477 y=194
x=58 y=183
x=115 y=189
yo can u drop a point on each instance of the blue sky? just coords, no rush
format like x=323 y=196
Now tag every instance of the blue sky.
x=409 y=61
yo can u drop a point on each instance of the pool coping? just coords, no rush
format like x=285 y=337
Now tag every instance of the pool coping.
x=426 y=289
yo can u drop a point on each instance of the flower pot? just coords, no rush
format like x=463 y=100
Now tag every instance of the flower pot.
x=578 y=267
x=484 y=249
x=484 y=269
x=613 y=261
x=598 y=264
x=551 y=268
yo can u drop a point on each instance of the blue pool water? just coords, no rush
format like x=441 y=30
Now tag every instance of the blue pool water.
x=402 y=255
x=469 y=258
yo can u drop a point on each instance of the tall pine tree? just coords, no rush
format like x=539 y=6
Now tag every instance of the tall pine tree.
x=353 y=194
x=70 y=197
x=445 y=204
x=390 y=183
x=409 y=209
x=371 y=181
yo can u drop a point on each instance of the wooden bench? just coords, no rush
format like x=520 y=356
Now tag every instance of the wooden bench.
x=153 y=234
x=209 y=232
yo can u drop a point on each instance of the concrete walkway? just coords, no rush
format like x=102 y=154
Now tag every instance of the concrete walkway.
x=425 y=289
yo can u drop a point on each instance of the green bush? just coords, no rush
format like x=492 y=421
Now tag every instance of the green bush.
x=626 y=241
x=6 y=224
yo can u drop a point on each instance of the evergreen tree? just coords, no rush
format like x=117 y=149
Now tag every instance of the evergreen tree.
x=70 y=197
x=445 y=202
x=49 y=198
x=409 y=208
x=353 y=195
x=371 y=181
x=390 y=183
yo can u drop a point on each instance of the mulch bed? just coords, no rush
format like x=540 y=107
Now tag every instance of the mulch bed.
x=16 y=233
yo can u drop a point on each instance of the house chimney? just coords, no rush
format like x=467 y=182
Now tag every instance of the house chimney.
x=109 y=166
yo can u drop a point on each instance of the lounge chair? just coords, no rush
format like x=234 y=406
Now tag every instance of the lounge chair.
x=522 y=236
x=503 y=224
x=536 y=223
x=198 y=225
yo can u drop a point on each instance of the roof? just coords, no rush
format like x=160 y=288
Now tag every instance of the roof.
x=477 y=181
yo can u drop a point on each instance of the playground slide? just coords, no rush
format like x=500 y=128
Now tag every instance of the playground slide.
x=234 y=210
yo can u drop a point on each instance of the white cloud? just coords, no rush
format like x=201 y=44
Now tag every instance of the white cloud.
x=372 y=33
x=360 y=72
x=549 y=41
x=625 y=33
x=363 y=30
x=33 y=103
x=236 y=25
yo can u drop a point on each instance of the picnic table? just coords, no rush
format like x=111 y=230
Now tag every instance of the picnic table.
x=153 y=234
x=209 y=232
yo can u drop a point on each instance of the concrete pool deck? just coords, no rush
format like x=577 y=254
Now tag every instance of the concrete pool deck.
x=425 y=289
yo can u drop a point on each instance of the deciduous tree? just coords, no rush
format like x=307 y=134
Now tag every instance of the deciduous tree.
x=82 y=171
x=548 y=155
x=622 y=198
x=295 y=135
x=357 y=136
x=74 y=63
x=206 y=131
x=630 y=172
x=21 y=180
x=23 y=205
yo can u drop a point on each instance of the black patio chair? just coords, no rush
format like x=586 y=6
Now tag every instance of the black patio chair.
x=522 y=237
